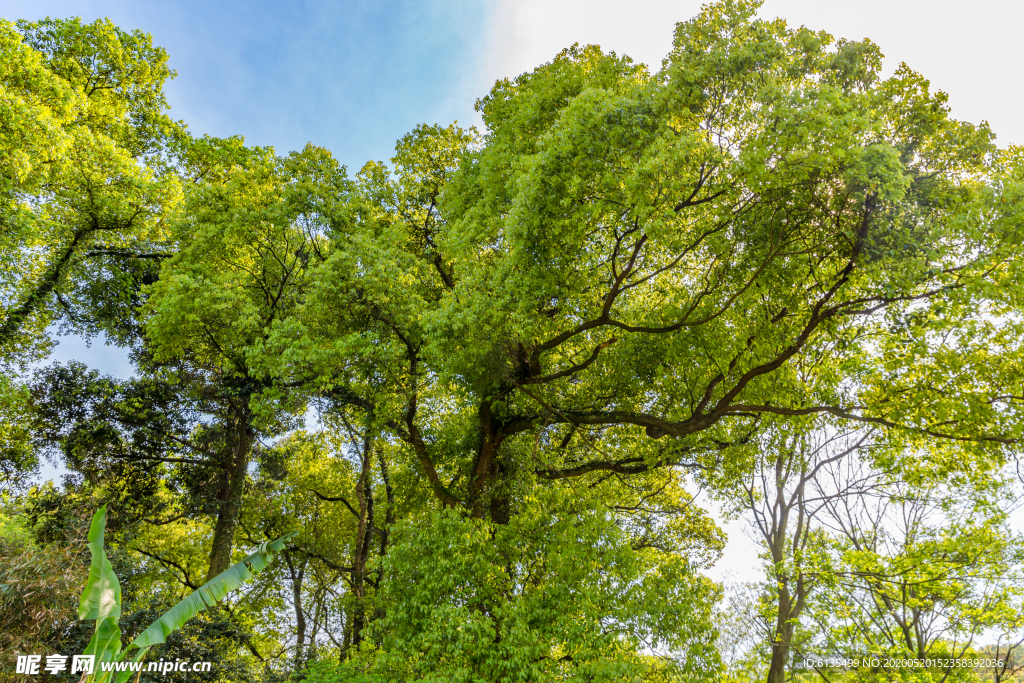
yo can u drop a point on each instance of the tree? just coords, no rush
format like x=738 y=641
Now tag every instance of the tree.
x=626 y=272
x=145 y=444
x=798 y=476
x=84 y=184
x=629 y=280
x=869 y=554
x=323 y=486
x=926 y=567
x=245 y=243
x=625 y=256
x=82 y=164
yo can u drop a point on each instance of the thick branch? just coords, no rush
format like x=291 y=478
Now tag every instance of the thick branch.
x=335 y=499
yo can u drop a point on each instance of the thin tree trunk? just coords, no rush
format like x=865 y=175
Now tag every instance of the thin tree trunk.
x=780 y=654
x=300 y=616
x=346 y=641
x=364 y=534
x=783 y=638
x=389 y=514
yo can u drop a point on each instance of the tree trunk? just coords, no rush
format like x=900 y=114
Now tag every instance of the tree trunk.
x=300 y=616
x=783 y=636
x=501 y=506
x=780 y=654
x=364 y=534
x=483 y=466
x=230 y=496
x=389 y=513
x=346 y=641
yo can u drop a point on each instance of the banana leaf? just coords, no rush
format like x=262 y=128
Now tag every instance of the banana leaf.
x=125 y=675
x=101 y=599
x=105 y=643
x=209 y=594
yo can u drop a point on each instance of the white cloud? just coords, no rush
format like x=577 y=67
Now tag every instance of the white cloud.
x=526 y=33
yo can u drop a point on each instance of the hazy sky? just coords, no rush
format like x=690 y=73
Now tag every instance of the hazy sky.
x=354 y=76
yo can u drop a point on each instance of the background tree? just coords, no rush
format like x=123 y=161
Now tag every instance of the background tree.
x=798 y=475
x=83 y=176
x=864 y=556
x=313 y=483
x=927 y=571
x=244 y=248
x=744 y=634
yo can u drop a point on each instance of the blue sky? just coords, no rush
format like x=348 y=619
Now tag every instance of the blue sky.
x=351 y=76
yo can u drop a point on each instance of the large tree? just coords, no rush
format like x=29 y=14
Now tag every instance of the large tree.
x=645 y=262
x=84 y=184
x=246 y=244
x=630 y=278
x=83 y=162
x=629 y=271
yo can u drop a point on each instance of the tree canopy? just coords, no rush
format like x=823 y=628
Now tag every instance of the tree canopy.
x=485 y=382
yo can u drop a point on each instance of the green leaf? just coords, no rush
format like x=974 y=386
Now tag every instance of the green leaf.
x=105 y=644
x=125 y=675
x=101 y=599
x=209 y=594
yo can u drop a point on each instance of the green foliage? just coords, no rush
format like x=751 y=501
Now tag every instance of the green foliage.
x=16 y=454
x=556 y=594
x=101 y=602
x=934 y=577
x=248 y=245
x=212 y=636
x=83 y=108
x=114 y=434
x=526 y=348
